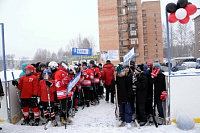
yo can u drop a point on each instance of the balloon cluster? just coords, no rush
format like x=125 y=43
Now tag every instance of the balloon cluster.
x=180 y=11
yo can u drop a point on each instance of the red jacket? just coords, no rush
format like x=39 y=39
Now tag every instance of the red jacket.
x=28 y=85
x=107 y=73
x=97 y=74
x=43 y=91
x=87 y=77
x=61 y=88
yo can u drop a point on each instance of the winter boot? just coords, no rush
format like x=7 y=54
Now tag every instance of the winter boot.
x=150 y=119
x=25 y=121
x=31 y=116
x=88 y=103
x=142 y=123
x=76 y=109
x=93 y=103
x=36 y=123
x=133 y=117
x=129 y=126
x=62 y=121
x=121 y=123
x=0 y=128
x=54 y=123
x=69 y=121
x=160 y=120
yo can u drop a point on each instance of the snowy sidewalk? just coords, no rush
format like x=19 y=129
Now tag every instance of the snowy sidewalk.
x=100 y=118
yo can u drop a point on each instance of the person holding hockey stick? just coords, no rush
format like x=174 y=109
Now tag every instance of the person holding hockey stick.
x=141 y=86
x=86 y=78
x=95 y=83
x=29 y=86
x=158 y=80
x=46 y=94
x=124 y=95
x=61 y=80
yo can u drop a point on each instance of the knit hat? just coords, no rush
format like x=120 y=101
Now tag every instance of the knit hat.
x=84 y=64
x=157 y=65
x=145 y=66
x=132 y=63
x=120 y=69
x=139 y=68
x=149 y=64
x=92 y=62
x=100 y=64
x=108 y=61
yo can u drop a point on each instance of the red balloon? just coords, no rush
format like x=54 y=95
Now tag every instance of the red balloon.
x=172 y=18
x=185 y=20
x=191 y=9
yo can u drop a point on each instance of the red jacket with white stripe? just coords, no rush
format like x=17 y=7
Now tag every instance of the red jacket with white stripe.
x=87 y=77
x=29 y=86
x=43 y=93
x=61 y=87
x=97 y=74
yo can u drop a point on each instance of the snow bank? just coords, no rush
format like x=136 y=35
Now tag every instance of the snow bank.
x=9 y=75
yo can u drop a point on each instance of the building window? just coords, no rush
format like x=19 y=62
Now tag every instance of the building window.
x=121 y=43
x=134 y=41
x=156 y=55
x=120 y=19
x=199 y=39
x=154 y=14
x=120 y=35
x=155 y=32
x=155 y=26
x=121 y=59
x=154 y=20
x=124 y=11
x=156 y=44
x=118 y=2
x=132 y=8
x=130 y=1
x=156 y=38
x=156 y=50
x=120 y=26
x=132 y=26
x=133 y=32
x=199 y=31
x=119 y=10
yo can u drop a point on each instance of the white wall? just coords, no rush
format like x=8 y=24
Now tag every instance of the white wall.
x=185 y=95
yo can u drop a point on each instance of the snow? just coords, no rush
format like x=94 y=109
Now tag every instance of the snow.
x=9 y=75
x=189 y=72
x=99 y=118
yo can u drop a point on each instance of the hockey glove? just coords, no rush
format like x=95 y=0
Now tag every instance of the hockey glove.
x=15 y=83
x=163 y=96
x=155 y=72
x=49 y=83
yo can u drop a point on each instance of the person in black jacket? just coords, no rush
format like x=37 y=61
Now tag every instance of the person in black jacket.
x=124 y=95
x=1 y=95
x=158 y=80
x=141 y=83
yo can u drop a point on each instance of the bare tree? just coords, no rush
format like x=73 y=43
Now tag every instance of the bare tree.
x=42 y=55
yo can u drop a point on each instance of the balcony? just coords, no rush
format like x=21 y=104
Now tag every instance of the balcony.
x=123 y=22
x=137 y=54
x=145 y=44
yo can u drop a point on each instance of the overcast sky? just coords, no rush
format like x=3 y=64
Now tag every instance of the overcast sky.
x=49 y=24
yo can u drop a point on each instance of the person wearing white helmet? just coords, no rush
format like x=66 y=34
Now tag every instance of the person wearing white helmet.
x=54 y=67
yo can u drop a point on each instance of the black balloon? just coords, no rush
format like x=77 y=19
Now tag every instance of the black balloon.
x=189 y=3
x=171 y=7
x=182 y=3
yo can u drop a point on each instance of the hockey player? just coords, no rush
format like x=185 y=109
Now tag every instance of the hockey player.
x=47 y=87
x=54 y=67
x=86 y=78
x=95 y=83
x=62 y=79
x=42 y=67
x=28 y=85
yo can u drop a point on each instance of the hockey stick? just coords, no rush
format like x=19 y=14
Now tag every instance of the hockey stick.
x=153 y=106
x=16 y=88
x=136 y=122
x=49 y=103
x=117 y=124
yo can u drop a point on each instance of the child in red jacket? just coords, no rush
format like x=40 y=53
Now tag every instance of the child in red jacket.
x=46 y=93
x=28 y=85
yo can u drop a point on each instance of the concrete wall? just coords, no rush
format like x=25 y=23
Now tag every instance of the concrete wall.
x=184 y=95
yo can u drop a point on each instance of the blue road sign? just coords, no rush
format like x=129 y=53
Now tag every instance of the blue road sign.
x=82 y=51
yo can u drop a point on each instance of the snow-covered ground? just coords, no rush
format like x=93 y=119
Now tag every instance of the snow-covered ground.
x=100 y=118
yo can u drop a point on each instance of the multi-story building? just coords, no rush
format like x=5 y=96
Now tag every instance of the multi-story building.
x=197 y=36
x=124 y=24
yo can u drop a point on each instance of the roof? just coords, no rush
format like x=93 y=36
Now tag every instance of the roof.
x=197 y=17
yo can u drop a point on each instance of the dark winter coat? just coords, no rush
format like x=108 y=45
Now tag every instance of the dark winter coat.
x=159 y=85
x=124 y=91
x=141 y=88
x=107 y=73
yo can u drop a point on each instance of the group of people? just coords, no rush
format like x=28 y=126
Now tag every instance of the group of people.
x=139 y=89
x=44 y=90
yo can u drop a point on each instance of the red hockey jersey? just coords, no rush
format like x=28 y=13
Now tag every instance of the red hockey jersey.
x=43 y=93
x=87 y=77
x=28 y=85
